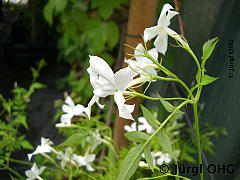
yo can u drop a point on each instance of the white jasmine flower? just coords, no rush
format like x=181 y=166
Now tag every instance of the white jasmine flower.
x=95 y=139
x=84 y=160
x=34 y=172
x=106 y=83
x=45 y=147
x=70 y=110
x=132 y=127
x=143 y=65
x=161 y=30
x=65 y=158
x=143 y=125
x=143 y=164
x=159 y=158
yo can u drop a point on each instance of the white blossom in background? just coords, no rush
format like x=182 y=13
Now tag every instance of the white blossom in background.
x=85 y=161
x=44 y=147
x=161 y=30
x=105 y=83
x=130 y=128
x=17 y=1
x=142 y=126
x=65 y=158
x=159 y=158
x=95 y=139
x=34 y=172
x=143 y=65
x=70 y=110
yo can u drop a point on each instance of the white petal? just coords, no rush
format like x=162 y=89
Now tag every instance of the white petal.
x=30 y=174
x=122 y=78
x=30 y=156
x=151 y=32
x=101 y=68
x=78 y=109
x=89 y=168
x=175 y=35
x=139 y=52
x=34 y=168
x=162 y=18
x=124 y=109
x=67 y=108
x=154 y=53
x=69 y=101
x=161 y=42
x=90 y=157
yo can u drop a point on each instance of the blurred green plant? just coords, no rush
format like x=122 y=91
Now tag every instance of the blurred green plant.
x=86 y=26
x=13 y=116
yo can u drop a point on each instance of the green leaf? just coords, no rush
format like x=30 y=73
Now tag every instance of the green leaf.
x=48 y=12
x=26 y=145
x=60 y=5
x=136 y=136
x=149 y=117
x=165 y=142
x=131 y=162
x=207 y=79
x=21 y=120
x=169 y=107
x=208 y=48
x=106 y=8
x=148 y=156
x=112 y=31
x=72 y=140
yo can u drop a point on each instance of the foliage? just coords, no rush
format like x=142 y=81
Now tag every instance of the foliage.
x=14 y=117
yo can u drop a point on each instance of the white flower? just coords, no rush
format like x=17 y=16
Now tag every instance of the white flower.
x=159 y=158
x=161 y=30
x=143 y=164
x=34 y=172
x=106 y=83
x=143 y=65
x=65 y=158
x=45 y=147
x=95 y=139
x=143 y=125
x=132 y=127
x=84 y=160
x=70 y=110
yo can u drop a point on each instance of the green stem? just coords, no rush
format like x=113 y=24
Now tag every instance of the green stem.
x=198 y=137
x=165 y=175
x=136 y=94
x=169 y=73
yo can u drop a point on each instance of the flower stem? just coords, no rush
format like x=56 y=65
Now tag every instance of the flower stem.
x=198 y=137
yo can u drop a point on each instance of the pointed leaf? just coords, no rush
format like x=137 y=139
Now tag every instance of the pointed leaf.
x=208 y=48
x=26 y=145
x=165 y=142
x=149 y=117
x=207 y=79
x=136 y=136
x=148 y=156
x=131 y=162
x=73 y=140
x=169 y=107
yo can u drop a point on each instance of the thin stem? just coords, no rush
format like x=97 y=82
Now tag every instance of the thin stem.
x=169 y=73
x=198 y=137
x=165 y=175
x=136 y=94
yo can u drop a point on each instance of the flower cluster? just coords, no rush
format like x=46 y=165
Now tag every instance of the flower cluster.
x=105 y=82
x=70 y=110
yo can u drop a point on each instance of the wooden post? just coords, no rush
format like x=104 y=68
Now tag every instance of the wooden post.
x=141 y=15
